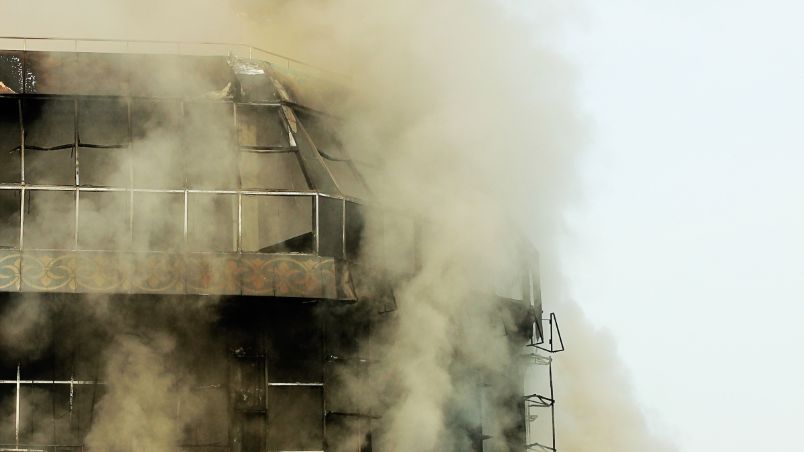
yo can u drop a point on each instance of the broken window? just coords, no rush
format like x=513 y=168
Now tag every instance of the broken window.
x=10 y=218
x=212 y=222
x=10 y=161
x=11 y=70
x=330 y=227
x=270 y=170
x=103 y=220
x=158 y=222
x=103 y=136
x=277 y=224
x=329 y=146
x=255 y=84
x=261 y=127
x=49 y=220
x=344 y=173
x=210 y=159
x=157 y=144
x=50 y=72
x=49 y=141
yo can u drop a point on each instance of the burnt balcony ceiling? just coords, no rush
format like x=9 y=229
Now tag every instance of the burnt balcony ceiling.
x=128 y=173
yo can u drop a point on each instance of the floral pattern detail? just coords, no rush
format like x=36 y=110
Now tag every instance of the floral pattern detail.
x=102 y=272
x=282 y=275
x=48 y=272
x=211 y=274
x=10 y=274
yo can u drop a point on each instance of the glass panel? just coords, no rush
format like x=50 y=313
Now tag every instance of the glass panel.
x=255 y=85
x=277 y=224
x=157 y=76
x=49 y=140
x=212 y=222
x=103 y=122
x=295 y=418
x=103 y=220
x=103 y=136
x=355 y=222
x=9 y=141
x=157 y=144
x=211 y=154
x=49 y=220
x=50 y=72
x=158 y=221
x=209 y=429
x=10 y=218
x=330 y=227
x=36 y=414
x=208 y=76
x=102 y=74
x=104 y=167
x=252 y=431
x=261 y=171
x=261 y=126
x=348 y=434
x=8 y=405
x=323 y=132
x=348 y=180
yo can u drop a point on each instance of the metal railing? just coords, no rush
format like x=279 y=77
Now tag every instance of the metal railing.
x=159 y=47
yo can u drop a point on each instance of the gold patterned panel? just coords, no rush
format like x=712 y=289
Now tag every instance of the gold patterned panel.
x=297 y=276
x=283 y=275
x=48 y=272
x=213 y=274
x=158 y=273
x=257 y=274
x=102 y=272
x=10 y=270
x=326 y=268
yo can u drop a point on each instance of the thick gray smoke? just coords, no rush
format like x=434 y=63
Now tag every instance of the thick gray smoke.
x=468 y=119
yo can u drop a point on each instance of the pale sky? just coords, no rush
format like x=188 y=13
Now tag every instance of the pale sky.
x=689 y=241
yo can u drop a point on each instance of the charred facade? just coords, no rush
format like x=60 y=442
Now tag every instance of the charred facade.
x=208 y=196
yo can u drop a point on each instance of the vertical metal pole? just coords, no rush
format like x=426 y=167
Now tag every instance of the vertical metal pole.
x=17 y=411
x=22 y=139
x=343 y=229
x=22 y=169
x=77 y=175
x=186 y=181
x=265 y=393
x=324 y=354
x=130 y=174
x=552 y=404
x=186 y=209
x=239 y=222
x=317 y=220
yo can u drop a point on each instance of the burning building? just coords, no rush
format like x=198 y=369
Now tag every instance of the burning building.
x=181 y=242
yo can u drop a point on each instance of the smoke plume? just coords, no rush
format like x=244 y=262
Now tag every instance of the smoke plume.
x=466 y=118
